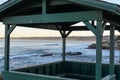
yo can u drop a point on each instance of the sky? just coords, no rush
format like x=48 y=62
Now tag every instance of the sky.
x=30 y=32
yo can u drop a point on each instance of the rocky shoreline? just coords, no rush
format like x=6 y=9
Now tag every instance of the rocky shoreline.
x=105 y=45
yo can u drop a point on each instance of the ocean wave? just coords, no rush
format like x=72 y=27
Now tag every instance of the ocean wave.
x=25 y=53
x=55 y=44
x=22 y=56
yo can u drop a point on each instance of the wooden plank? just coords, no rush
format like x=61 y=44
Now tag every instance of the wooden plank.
x=47 y=70
x=97 y=4
x=40 y=70
x=90 y=27
x=26 y=76
x=54 y=18
x=54 y=70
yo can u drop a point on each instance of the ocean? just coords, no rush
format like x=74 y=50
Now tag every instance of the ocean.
x=28 y=52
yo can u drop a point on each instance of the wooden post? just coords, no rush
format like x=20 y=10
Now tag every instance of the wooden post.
x=99 y=31
x=7 y=46
x=63 y=45
x=64 y=36
x=63 y=48
x=112 y=43
x=8 y=30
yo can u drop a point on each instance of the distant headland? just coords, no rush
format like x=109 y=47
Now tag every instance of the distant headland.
x=81 y=38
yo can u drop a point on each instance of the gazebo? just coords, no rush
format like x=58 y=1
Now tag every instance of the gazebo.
x=60 y=15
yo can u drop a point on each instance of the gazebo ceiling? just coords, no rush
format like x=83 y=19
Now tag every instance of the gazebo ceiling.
x=58 y=12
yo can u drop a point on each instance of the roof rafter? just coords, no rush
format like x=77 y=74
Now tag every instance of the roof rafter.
x=99 y=4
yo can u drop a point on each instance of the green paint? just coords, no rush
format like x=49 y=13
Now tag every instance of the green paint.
x=8 y=30
x=64 y=35
x=26 y=76
x=104 y=26
x=98 y=4
x=90 y=27
x=82 y=68
x=98 y=31
x=9 y=4
x=112 y=43
x=63 y=48
x=54 y=18
x=99 y=50
x=44 y=6
x=11 y=29
x=7 y=49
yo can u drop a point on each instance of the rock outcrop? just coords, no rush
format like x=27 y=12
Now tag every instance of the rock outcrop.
x=74 y=53
x=105 y=45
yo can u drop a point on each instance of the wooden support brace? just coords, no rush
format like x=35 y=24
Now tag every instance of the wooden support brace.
x=11 y=29
x=67 y=34
x=90 y=26
x=98 y=32
x=64 y=35
x=104 y=25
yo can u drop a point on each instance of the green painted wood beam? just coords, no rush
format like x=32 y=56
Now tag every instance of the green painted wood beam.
x=36 y=4
x=99 y=4
x=112 y=44
x=90 y=27
x=104 y=25
x=8 y=30
x=44 y=7
x=63 y=44
x=12 y=75
x=54 y=27
x=64 y=35
x=7 y=49
x=63 y=49
x=99 y=30
x=68 y=33
x=11 y=29
x=8 y=4
x=54 y=18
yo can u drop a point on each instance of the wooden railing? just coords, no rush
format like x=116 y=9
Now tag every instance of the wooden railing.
x=44 y=69
x=25 y=76
x=81 y=69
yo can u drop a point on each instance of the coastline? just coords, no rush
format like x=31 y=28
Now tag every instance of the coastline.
x=30 y=56
x=75 y=38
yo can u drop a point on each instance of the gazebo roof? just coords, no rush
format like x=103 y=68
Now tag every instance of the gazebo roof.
x=51 y=13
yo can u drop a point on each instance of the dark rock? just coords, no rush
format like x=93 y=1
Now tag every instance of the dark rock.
x=92 y=46
x=44 y=55
x=105 y=45
x=74 y=53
